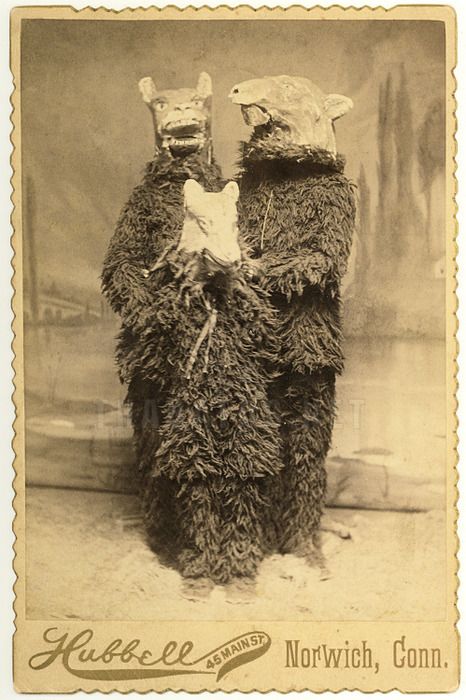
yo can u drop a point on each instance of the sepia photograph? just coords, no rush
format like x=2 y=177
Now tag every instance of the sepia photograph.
x=234 y=297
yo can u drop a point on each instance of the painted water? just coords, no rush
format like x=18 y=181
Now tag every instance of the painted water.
x=391 y=398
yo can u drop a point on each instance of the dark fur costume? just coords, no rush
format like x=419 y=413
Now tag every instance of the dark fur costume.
x=297 y=212
x=218 y=436
x=214 y=438
x=151 y=220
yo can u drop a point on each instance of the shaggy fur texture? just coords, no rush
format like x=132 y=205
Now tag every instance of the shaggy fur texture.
x=218 y=435
x=151 y=220
x=297 y=212
x=206 y=438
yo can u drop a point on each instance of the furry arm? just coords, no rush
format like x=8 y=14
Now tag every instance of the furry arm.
x=131 y=250
x=290 y=274
x=320 y=253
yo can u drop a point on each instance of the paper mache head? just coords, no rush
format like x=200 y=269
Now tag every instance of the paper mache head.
x=181 y=117
x=292 y=109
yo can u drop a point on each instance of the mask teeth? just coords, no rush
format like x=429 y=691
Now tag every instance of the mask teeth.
x=187 y=140
x=183 y=122
x=180 y=140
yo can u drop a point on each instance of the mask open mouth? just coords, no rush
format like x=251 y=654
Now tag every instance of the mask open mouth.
x=264 y=123
x=184 y=136
x=255 y=115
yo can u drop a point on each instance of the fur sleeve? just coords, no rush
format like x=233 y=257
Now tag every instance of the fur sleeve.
x=130 y=251
x=320 y=251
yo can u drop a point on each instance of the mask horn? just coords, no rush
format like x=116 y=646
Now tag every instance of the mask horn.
x=204 y=85
x=191 y=189
x=336 y=106
x=231 y=189
x=147 y=89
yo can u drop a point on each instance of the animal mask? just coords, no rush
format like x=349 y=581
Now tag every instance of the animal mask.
x=211 y=222
x=292 y=109
x=182 y=118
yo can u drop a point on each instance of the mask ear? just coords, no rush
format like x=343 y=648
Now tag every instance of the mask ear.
x=231 y=189
x=335 y=106
x=147 y=89
x=204 y=85
x=192 y=190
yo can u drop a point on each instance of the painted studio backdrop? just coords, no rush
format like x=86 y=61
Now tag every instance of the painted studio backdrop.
x=86 y=138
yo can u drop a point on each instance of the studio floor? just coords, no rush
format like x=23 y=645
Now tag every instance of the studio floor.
x=87 y=559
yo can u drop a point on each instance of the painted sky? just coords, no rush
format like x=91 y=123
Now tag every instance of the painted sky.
x=87 y=134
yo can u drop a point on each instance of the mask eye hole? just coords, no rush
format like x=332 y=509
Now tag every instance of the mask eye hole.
x=198 y=103
x=160 y=106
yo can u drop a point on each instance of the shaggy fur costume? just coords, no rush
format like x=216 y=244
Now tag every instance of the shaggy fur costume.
x=151 y=220
x=218 y=436
x=206 y=438
x=297 y=211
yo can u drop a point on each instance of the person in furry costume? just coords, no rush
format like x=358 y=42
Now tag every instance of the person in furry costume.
x=297 y=211
x=192 y=350
x=150 y=221
x=210 y=341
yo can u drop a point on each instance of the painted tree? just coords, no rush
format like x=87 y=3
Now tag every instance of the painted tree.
x=30 y=211
x=431 y=159
x=409 y=217
x=398 y=216
x=365 y=244
x=385 y=171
